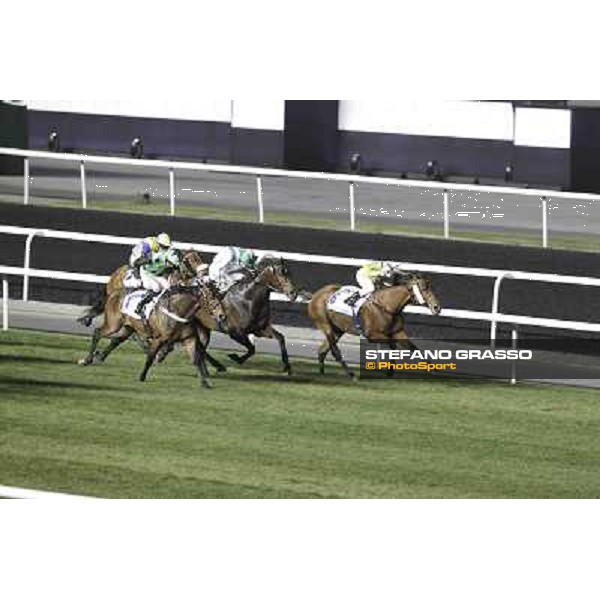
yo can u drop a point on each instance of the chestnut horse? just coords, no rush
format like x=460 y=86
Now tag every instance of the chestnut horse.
x=191 y=265
x=380 y=316
x=172 y=320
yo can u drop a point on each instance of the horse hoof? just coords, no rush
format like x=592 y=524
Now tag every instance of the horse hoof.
x=235 y=358
x=98 y=358
x=207 y=384
x=83 y=362
x=221 y=369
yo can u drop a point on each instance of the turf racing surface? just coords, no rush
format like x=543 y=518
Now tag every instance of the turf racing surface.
x=97 y=431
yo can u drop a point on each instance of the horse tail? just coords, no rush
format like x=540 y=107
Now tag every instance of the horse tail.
x=97 y=307
x=317 y=307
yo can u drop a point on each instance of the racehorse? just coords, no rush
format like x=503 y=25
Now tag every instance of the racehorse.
x=248 y=312
x=380 y=316
x=172 y=320
x=191 y=265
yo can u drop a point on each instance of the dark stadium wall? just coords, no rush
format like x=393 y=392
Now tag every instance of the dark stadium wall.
x=311 y=135
x=585 y=150
x=396 y=153
x=234 y=142
x=256 y=147
x=474 y=293
x=13 y=134
x=113 y=134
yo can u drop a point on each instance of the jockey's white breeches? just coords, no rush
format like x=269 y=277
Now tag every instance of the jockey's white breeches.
x=366 y=284
x=135 y=254
x=153 y=282
x=221 y=259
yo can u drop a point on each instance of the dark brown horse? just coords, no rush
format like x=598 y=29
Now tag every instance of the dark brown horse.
x=172 y=320
x=380 y=317
x=248 y=310
x=191 y=265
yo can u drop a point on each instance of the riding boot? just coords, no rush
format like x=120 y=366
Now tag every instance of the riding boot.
x=140 y=312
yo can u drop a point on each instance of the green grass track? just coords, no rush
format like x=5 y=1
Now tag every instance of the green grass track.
x=98 y=431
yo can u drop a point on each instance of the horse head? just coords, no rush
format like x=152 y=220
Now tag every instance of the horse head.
x=275 y=274
x=422 y=292
x=192 y=264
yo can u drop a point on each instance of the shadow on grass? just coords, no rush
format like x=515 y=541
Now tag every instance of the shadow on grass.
x=15 y=383
x=19 y=358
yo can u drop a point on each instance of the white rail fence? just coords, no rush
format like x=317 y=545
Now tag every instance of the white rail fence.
x=27 y=494
x=493 y=317
x=172 y=167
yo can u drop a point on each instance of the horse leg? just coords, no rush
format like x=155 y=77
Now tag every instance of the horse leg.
x=197 y=354
x=204 y=335
x=325 y=347
x=338 y=355
x=401 y=338
x=150 y=356
x=112 y=325
x=271 y=332
x=165 y=351
x=244 y=340
x=93 y=345
x=115 y=342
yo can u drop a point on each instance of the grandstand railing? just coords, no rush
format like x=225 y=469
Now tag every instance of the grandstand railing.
x=172 y=166
x=493 y=317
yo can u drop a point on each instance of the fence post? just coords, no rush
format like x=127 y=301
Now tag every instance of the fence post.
x=352 y=212
x=172 y=191
x=446 y=215
x=513 y=366
x=544 y=222
x=26 y=181
x=5 y=304
x=83 y=188
x=26 y=263
x=495 y=304
x=259 y=197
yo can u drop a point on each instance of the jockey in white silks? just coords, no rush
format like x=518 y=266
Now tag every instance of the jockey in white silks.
x=230 y=265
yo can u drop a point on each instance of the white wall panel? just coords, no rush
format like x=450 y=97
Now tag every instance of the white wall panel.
x=460 y=119
x=192 y=110
x=259 y=114
x=543 y=127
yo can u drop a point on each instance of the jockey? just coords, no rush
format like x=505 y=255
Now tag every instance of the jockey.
x=369 y=275
x=368 y=278
x=230 y=265
x=147 y=249
x=152 y=259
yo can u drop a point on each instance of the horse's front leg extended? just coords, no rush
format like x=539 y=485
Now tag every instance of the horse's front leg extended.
x=150 y=356
x=244 y=340
x=400 y=337
x=271 y=332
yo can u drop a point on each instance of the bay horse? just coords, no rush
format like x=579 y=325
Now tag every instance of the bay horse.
x=172 y=320
x=192 y=265
x=380 y=316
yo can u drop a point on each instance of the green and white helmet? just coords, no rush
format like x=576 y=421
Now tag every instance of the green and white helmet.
x=247 y=258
